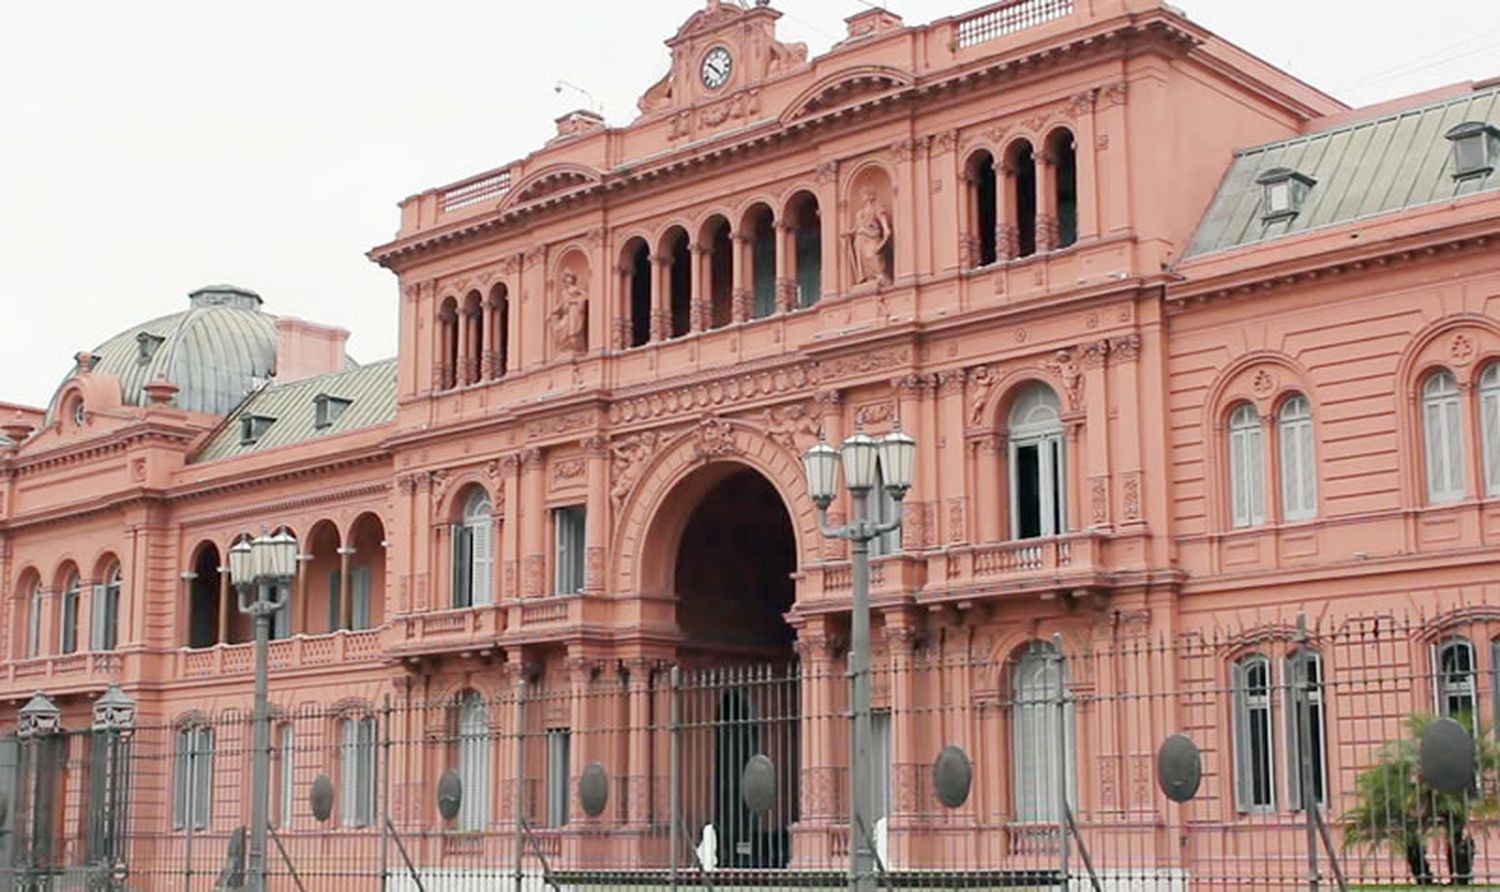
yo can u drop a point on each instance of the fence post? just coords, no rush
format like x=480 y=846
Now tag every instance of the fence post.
x=1301 y=715
x=674 y=759
x=1064 y=851
x=385 y=776
x=520 y=803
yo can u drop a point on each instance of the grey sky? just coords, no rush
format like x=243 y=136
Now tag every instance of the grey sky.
x=153 y=146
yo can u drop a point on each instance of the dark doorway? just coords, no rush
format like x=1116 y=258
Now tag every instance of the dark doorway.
x=203 y=621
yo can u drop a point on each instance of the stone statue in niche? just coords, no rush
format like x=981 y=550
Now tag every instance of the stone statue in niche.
x=870 y=240
x=570 y=318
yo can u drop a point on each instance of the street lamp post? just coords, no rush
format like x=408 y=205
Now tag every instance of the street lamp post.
x=261 y=570
x=865 y=460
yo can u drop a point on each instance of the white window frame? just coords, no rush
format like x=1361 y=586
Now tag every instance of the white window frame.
x=1038 y=678
x=357 y=771
x=68 y=615
x=1247 y=468
x=1036 y=422
x=474 y=553
x=192 y=777
x=104 y=611
x=1442 y=438
x=34 y=622
x=1458 y=684
x=559 y=762
x=1319 y=730
x=1489 y=427
x=569 y=532
x=474 y=762
x=1253 y=717
x=1299 y=468
x=361 y=584
x=881 y=760
x=286 y=781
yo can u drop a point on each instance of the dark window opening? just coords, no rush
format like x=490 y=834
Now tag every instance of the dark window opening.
x=640 y=296
x=807 y=237
x=500 y=313
x=1028 y=492
x=985 y=187
x=681 y=287
x=203 y=595
x=1025 y=200
x=1065 y=157
x=721 y=276
x=762 y=263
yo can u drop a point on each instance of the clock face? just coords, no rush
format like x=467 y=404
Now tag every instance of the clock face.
x=716 y=68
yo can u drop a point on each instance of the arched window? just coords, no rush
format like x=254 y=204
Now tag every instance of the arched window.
x=1304 y=672
x=473 y=552
x=1456 y=688
x=72 y=598
x=474 y=762
x=1299 y=487
x=1442 y=438
x=807 y=247
x=760 y=229
x=636 y=265
x=34 y=608
x=1038 y=472
x=1489 y=427
x=716 y=236
x=499 y=331
x=1255 y=770
x=983 y=183
x=104 y=621
x=1247 y=468
x=1042 y=747
x=1021 y=198
x=1062 y=153
x=447 y=346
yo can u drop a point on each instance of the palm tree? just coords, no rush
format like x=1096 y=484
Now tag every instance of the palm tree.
x=1393 y=808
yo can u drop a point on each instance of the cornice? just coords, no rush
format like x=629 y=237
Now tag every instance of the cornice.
x=1020 y=62
x=295 y=503
x=80 y=451
x=258 y=477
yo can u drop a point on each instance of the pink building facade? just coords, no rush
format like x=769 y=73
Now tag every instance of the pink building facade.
x=1189 y=348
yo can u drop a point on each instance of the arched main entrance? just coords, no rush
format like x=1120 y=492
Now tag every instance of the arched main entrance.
x=732 y=583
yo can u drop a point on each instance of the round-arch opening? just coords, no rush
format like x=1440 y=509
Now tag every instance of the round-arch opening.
x=732 y=569
x=204 y=602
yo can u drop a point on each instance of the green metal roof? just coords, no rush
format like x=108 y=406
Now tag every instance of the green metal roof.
x=1364 y=169
x=370 y=391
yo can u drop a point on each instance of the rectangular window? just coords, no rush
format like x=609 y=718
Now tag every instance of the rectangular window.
x=763 y=256
x=1445 y=472
x=559 y=754
x=474 y=765
x=286 y=780
x=360 y=580
x=1246 y=476
x=335 y=603
x=34 y=625
x=1299 y=499
x=809 y=267
x=568 y=528
x=463 y=567
x=104 y=616
x=69 y=636
x=1254 y=775
x=192 y=778
x=1309 y=678
x=1037 y=487
x=1489 y=410
x=880 y=762
x=357 y=769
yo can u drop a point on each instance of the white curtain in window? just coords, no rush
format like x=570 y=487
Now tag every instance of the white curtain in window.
x=1299 y=496
x=559 y=755
x=192 y=778
x=1443 y=438
x=1254 y=781
x=1246 y=468
x=357 y=772
x=1041 y=739
x=1489 y=414
x=474 y=763
x=568 y=528
x=880 y=763
x=288 y=786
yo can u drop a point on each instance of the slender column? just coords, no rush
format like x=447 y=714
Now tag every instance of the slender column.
x=906 y=729
x=533 y=521
x=1096 y=406
x=509 y=554
x=947 y=433
x=226 y=605
x=597 y=521
x=990 y=501
x=786 y=267
x=1007 y=235
x=624 y=306
x=700 y=311
x=911 y=393
x=184 y=624
x=461 y=372
x=1047 y=231
x=742 y=294
x=304 y=618
x=661 y=314
x=487 y=353
x=346 y=589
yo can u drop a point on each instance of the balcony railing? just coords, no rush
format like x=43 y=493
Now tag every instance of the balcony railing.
x=100 y=666
x=1008 y=18
x=301 y=651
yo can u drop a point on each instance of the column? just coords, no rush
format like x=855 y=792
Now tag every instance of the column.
x=621 y=326
x=661 y=314
x=487 y=352
x=1088 y=172
x=743 y=297
x=465 y=357
x=445 y=373
x=300 y=599
x=184 y=624
x=597 y=521
x=947 y=433
x=346 y=589
x=1007 y=235
x=1047 y=233
x=639 y=744
x=701 y=311
x=830 y=408
x=1096 y=410
x=907 y=740
x=228 y=605
x=509 y=516
x=786 y=267
x=533 y=521
x=910 y=393
x=990 y=503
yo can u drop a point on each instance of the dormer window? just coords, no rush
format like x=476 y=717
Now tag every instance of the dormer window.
x=1476 y=146
x=253 y=427
x=328 y=409
x=146 y=346
x=1283 y=191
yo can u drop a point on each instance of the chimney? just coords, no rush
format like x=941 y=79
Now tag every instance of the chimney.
x=305 y=349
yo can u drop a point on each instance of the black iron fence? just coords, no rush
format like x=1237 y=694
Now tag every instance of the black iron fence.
x=999 y=762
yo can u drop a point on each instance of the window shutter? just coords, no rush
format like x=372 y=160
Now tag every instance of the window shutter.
x=1243 y=794
x=348 y=782
x=203 y=773
x=181 y=782
x=462 y=568
x=482 y=543
x=1255 y=455
x=1307 y=464
x=1490 y=407
x=1455 y=449
x=98 y=616
x=335 y=609
x=1295 y=755
x=360 y=594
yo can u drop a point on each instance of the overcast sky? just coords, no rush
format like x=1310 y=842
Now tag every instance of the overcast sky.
x=152 y=146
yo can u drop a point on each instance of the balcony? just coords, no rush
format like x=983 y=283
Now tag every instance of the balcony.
x=446 y=631
x=1073 y=562
x=286 y=655
x=65 y=673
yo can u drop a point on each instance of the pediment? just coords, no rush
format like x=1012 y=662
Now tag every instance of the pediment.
x=553 y=180
x=846 y=88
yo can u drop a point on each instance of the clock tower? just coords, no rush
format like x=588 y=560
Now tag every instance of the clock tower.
x=721 y=50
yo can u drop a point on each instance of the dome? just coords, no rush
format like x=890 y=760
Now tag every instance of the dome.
x=219 y=349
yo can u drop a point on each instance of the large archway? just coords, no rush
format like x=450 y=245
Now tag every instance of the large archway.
x=732 y=576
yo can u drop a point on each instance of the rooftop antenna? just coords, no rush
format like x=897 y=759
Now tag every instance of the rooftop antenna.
x=595 y=104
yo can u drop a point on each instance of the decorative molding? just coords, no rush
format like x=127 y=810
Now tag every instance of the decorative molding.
x=795 y=426
x=569 y=471
x=713 y=438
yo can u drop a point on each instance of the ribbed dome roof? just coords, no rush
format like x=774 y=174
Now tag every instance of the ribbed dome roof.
x=216 y=351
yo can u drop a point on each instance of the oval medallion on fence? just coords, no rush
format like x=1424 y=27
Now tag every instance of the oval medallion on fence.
x=758 y=784
x=1447 y=757
x=1179 y=768
x=450 y=794
x=952 y=776
x=320 y=797
x=593 y=789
